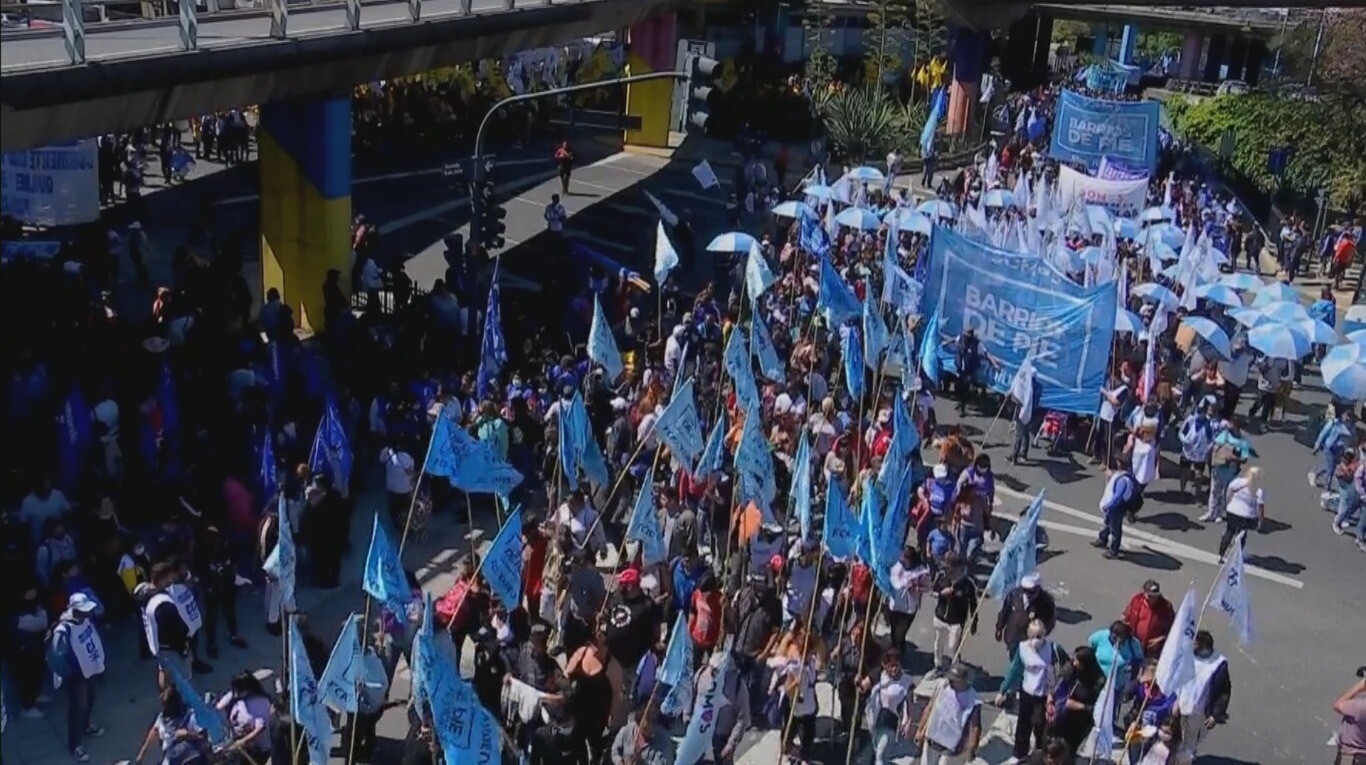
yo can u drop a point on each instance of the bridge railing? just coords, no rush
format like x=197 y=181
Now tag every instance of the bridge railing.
x=74 y=17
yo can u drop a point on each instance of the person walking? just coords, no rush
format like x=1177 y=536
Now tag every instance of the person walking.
x=76 y=657
x=1351 y=705
x=910 y=579
x=1246 y=508
x=955 y=611
x=1031 y=672
x=1203 y=701
x=168 y=633
x=1022 y=607
x=1121 y=499
x=564 y=162
x=888 y=714
x=951 y=728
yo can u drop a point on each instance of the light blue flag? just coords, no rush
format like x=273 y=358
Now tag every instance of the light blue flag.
x=602 y=346
x=764 y=350
x=589 y=454
x=502 y=564
x=813 y=238
x=466 y=730
x=283 y=560
x=938 y=103
x=270 y=467
x=571 y=443
x=305 y=701
x=758 y=276
x=736 y=361
x=836 y=297
x=208 y=718
x=853 y=361
x=679 y=427
x=870 y=525
x=467 y=462
x=1019 y=554
x=442 y=459
x=384 y=579
x=644 y=527
x=907 y=351
x=706 y=707
x=875 y=335
x=929 y=349
x=892 y=536
x=905 y=442
x=712 y=454
x=340 y=680
x=331 y=452
x=801 y=485
x=424 y=655
x=841 y=528
x=754 y=468
x=676 y=671
x=493 y=351
x=594 y=463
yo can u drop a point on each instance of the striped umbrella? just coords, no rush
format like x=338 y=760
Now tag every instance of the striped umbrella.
x=1344 y=371
x=1278 y=341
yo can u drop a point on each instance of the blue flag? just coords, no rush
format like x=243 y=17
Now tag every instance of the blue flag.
x=283 y=560
x=758 y=276
x=602 y=346
x=801 y=485
x=169 y=404
x=208 y=718
x=594 y=463
x=384 y=579
x=570 y=444
x=870 y=525
x=331 y=452
x=676 y=670
x=466 y=730
x=938 y=103
x=502 y=565
x=74 y=438
x=836 y=297
x=736 y=362
x=813 y=237
x=905 y=442
x=754 y=468
x=679 y=427
x=270 y=467
x=467 y=462
x=765 y=351
x=493 y=351
x=697 y=739
x=892 y=535
x=644 y=526
x=578 y=446
x=714 y=452
x=424 y=655
x=442 y=459
x=929 y=350
x=1019 y=554
x=305 y=700
x=853 y=361
x=875 y=335
x=340 y=681
x=841 y=528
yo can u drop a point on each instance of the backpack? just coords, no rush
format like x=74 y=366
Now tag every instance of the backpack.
x=1134 y=503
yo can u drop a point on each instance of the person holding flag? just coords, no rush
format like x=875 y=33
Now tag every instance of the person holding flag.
x=1203 y=701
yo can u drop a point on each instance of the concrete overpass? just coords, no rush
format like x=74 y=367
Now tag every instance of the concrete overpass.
x=138 y=73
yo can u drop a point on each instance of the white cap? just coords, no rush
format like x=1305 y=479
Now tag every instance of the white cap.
x=82 y=603
x=1031 y=581
x=941 y=471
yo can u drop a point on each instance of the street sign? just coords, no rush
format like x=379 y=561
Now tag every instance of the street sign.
x=1278 y=158
x=452 y=171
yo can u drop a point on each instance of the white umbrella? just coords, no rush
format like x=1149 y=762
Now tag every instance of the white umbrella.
x=1156 y=293
x=866 y=174
x=998 y=198
x=1278 y=341
x=1355 y=319
x=1242 y=281
x=1156 y=215
x=938 y=208
x=907 y=219
x=792 y=209
x=1221 y=294
x=1282 y=311
x=1128 y=321
x=1318 y=332
x=734 y=241
x=1275 y=292
x=1248 y=317
x=1357 y=336
x=860 y=218
x=819 y=191
x=1163 y=252
x=1212 y=333
x=1344 y=371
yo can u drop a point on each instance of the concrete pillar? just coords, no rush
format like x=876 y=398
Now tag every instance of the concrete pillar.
x=653 y=48
x=1100 y=42
x=1019 y=53
x=1191 y=49
x=1042 y=41
x=1237 y=54
x=305 y=153
x=968 y=48
x=1214 y=59
x=1128 y=43
x=1256 y=54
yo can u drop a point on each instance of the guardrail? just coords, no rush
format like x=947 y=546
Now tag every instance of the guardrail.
x=75 y=16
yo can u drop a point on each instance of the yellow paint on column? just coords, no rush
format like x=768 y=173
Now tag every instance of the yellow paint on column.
x=652 y=102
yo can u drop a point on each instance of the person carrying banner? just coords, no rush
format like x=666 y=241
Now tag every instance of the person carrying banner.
x=1203 y=702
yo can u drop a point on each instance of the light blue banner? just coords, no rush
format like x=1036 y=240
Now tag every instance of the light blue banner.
x=1018 y=304
x=1106 y=78
x=1087 y=129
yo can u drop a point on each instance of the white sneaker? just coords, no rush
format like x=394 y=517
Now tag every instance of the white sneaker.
x=32 y=713
x=1206 y=518
x=1312 y=482
x=80 y=754
x=1337 y=529
x=1361 y=546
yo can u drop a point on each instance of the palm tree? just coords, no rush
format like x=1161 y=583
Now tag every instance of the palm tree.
x=861 y=123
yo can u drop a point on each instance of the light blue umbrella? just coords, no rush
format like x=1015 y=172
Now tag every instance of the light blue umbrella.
x=1163 y=232
x=1212 y=333
x=1156 y=293
x=998 y=198
x=1278 y=341
x=1276 y=292
x=1344 y=371
x=1318 y=332
x=938 y=208
x=1242 y=281
x=909 y=220
x=1172 y=271
x=1221 y=294
x=1355 y=319
x=860 y=218
x=866 y=174
x=1128 y=321
x=1126 y=228
x=819 y=191
x=734 y=241
x=1248 y=317
x=1163 y=252
x=792 y=209
x=1157 y=215
x=1357 y=336
x=1091 y=255
x=1283 y=311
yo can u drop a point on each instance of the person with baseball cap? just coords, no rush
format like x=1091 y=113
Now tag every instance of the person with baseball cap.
x=1150 y=616
x=76 y=657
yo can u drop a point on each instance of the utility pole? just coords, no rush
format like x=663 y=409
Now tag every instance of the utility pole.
x=1318 y=45
x=480 y=169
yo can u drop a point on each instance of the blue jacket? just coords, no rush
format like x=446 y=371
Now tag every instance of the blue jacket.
x=1332 y=437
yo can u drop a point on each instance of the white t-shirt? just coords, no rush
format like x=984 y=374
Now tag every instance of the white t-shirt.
x=1144 y=462
x=554 y=217
x=1108 y=410
x=1242 y=501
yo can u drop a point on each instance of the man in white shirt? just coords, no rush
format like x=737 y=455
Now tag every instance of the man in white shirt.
x=400 y=478
x=555 y=215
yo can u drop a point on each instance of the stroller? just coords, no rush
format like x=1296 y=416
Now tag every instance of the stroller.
x=1056 y=430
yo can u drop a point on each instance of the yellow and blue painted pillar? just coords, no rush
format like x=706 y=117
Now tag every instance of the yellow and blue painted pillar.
x=305 y=148
x=653 y=48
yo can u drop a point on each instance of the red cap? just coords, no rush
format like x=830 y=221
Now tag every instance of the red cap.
x=629 y=576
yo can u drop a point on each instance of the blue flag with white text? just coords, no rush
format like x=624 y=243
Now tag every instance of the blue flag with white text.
x=769 y=363
x=493 y=352
x=644 y=526
x=697 y=739
x=754 y=468
x=714 y=452
x=841 y=527
x=678 y=426
x=1019 y=554
x=305 y=701
x=736 y=362
x=465 y=729
x=676 y=669
x=283 y=560
x=331 y=452
x=836 y=297
x=758 y=276
x=269 y=478
x=853 y=361
x=502 y=565
x=875 y=335
x=339 y=684
x=602 y=346
x=384 y=579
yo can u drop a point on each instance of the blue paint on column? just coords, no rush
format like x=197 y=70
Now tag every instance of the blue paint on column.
x=1127 y=44
x=1100 y=42
x=316 y=133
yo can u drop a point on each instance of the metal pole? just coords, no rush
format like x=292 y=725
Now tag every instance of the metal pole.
x=1276 y=64
x=73 y=30
x=1318 y=45
x=189 y=26
x=484 y=123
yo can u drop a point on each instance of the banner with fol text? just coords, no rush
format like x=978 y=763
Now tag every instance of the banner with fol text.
x=52 y=186
x=1112 y=169
x=1122 y=198
x=1088 y=129
x=1020 y=307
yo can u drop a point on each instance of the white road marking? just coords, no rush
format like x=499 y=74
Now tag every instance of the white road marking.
x=1155 y=542
x=691 y=195
x=392 y=177
x=434 y=211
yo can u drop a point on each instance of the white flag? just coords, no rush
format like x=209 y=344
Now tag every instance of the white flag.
x=666 y=257
x=705 y=175
x=1103 y=718
x=665 y=214
x=1022 y=388
x=1176 y=665
x=1232 y=596
x=697 y=740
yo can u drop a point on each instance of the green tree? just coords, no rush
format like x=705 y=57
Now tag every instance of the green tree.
x=821 y=66
x=931 y=33
x=889 y=23
x=861 y=123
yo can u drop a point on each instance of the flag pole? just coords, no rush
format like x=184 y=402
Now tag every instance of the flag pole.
x=1005 y=399
x=621 y=554
x=806 y=646
x=293 y=713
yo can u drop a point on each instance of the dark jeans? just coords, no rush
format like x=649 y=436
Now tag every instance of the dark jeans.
x=901 y=624
x=1266 y=404
x=1231 y=393
x=1113 y=531
x=26 y=667
x=1030 y=723
x=224 y=600
x=1233 y=524
x=365 y=735
x=80 y=694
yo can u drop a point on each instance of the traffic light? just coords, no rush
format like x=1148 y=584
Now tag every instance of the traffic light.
x=490 y=214
x=703 y=93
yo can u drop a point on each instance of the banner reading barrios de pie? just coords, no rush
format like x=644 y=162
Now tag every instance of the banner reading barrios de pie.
x=1087 y=129
x=1122 y=198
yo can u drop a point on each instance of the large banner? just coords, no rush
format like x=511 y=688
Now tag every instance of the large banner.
x=52 y=186
x=1019 y=306
x=1087 y=129
x=1112 y=169
x=1122 y=198
x=1106 y=79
